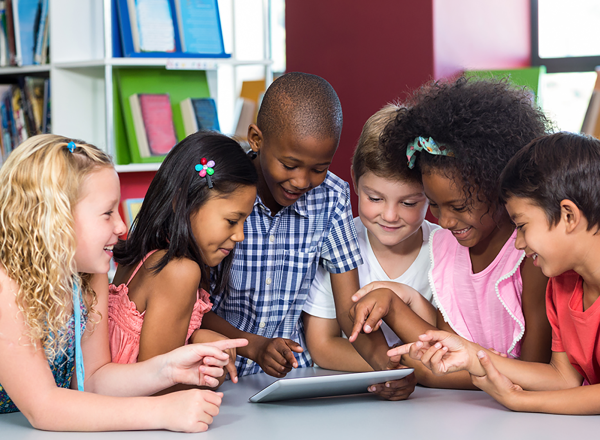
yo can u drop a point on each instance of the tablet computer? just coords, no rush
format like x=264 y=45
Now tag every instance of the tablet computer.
x=326 y=385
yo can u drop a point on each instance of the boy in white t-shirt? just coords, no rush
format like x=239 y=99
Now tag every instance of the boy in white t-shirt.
x=394 y=244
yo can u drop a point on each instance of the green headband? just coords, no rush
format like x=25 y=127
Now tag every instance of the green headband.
x=429 y=145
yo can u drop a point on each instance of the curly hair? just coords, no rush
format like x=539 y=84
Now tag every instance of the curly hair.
x=484 y=123
x=39 y=187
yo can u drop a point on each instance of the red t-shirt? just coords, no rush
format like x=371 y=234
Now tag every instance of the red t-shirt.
x=574 y=331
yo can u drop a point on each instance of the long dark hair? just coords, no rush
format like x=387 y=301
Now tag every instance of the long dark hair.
x=176 y=193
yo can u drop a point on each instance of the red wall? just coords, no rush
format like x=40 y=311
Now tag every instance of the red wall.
x=371 y=53
x=374 y=52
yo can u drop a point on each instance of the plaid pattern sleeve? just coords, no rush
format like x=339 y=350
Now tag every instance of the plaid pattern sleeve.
x=275 y=265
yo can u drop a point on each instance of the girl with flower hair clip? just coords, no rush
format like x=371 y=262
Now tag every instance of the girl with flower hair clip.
x=191 y=218
x=460 y=134
x=58 y=225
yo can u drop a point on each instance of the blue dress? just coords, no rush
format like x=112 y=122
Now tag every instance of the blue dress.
x=63 y=365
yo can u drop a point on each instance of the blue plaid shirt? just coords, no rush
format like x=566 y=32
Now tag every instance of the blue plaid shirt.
x=275 y=265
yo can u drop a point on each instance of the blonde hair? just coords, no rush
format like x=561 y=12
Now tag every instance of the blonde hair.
x=369 y=156
x=39 y=188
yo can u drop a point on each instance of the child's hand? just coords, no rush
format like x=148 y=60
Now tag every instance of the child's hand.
x=368 y=312
x=276 y=356
x=441 y=352
x=200 y=364
x=205 y=336
x=496 y=384
x=189 y=411
x=398 y=389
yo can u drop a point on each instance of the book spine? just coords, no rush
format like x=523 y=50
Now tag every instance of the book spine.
x=42 y=28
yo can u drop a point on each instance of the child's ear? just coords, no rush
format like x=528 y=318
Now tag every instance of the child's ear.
x=255 y=137
x=570 y=214
x=354 y=182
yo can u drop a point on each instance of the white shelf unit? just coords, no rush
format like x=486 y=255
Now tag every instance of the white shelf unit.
x=82 y=67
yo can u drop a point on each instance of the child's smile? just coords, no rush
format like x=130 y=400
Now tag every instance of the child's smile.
x=289 y=166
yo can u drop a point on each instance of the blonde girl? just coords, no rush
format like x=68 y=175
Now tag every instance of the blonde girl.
x=58 y=224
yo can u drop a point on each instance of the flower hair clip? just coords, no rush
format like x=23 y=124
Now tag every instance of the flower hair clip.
x=71 y=146
x=205 y=169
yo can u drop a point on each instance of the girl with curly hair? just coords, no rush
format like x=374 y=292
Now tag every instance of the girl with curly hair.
x=460 y=135
x=58 y=225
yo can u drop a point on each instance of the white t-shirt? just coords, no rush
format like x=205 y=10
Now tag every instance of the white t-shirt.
x=320 y=298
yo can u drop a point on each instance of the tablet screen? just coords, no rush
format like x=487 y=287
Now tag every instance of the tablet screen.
x=326 y=385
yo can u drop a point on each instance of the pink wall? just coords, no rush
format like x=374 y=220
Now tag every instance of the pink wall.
x=479 y=35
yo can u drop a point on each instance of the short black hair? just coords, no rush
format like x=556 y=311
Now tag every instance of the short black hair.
x=553 y=168
x=484 y=123
x=302 y=103
x=176 y=193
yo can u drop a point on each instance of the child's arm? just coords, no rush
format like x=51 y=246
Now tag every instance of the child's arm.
x=372 y=345
x=193 y=364
x=274 y=355
x=26 y=377
x=536 y=342
x=383 y=303
x=170 y=297
x=443 y=353
x=407 y=294
x=328 y=348
x=577 y=400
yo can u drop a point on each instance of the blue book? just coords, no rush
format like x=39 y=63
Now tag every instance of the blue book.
x=199 y=26
x=42 y=31
x=25 y=14
x=199 y=114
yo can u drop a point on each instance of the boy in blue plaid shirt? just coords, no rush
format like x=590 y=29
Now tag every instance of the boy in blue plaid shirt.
x=301 y=218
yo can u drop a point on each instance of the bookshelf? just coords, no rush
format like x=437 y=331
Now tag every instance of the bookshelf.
x=83 y=70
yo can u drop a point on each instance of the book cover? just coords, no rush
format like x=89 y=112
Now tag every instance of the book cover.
x=153 y=122
x=25 y=14
x=199 y=114
x=152 y=25
x=41 y=30
x=131 y=208
x=244 y=114
x=199 y=26
x=34 y=93
x=10 y=33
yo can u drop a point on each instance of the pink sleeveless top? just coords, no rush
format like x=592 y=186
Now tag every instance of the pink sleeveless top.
x=125 y=322
x=484 y=307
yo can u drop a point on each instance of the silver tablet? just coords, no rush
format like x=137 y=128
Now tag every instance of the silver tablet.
x=326 y=385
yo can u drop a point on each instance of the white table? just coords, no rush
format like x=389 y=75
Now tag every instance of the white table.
x=429 y=414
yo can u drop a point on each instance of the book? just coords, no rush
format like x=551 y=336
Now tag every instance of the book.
x=25 y=13
x=3 y=38
x=41 y=31
x=131 y=208
x=199 y=114
x=34 y=94
x=10 y=33
x=244 y=115
x=591 y=120
x=152 y=26
x=129 y=29
x=153 y=123
x=199 y=26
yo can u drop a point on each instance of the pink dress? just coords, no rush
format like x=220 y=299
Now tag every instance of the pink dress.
x=483 y=307
x=125 y=322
